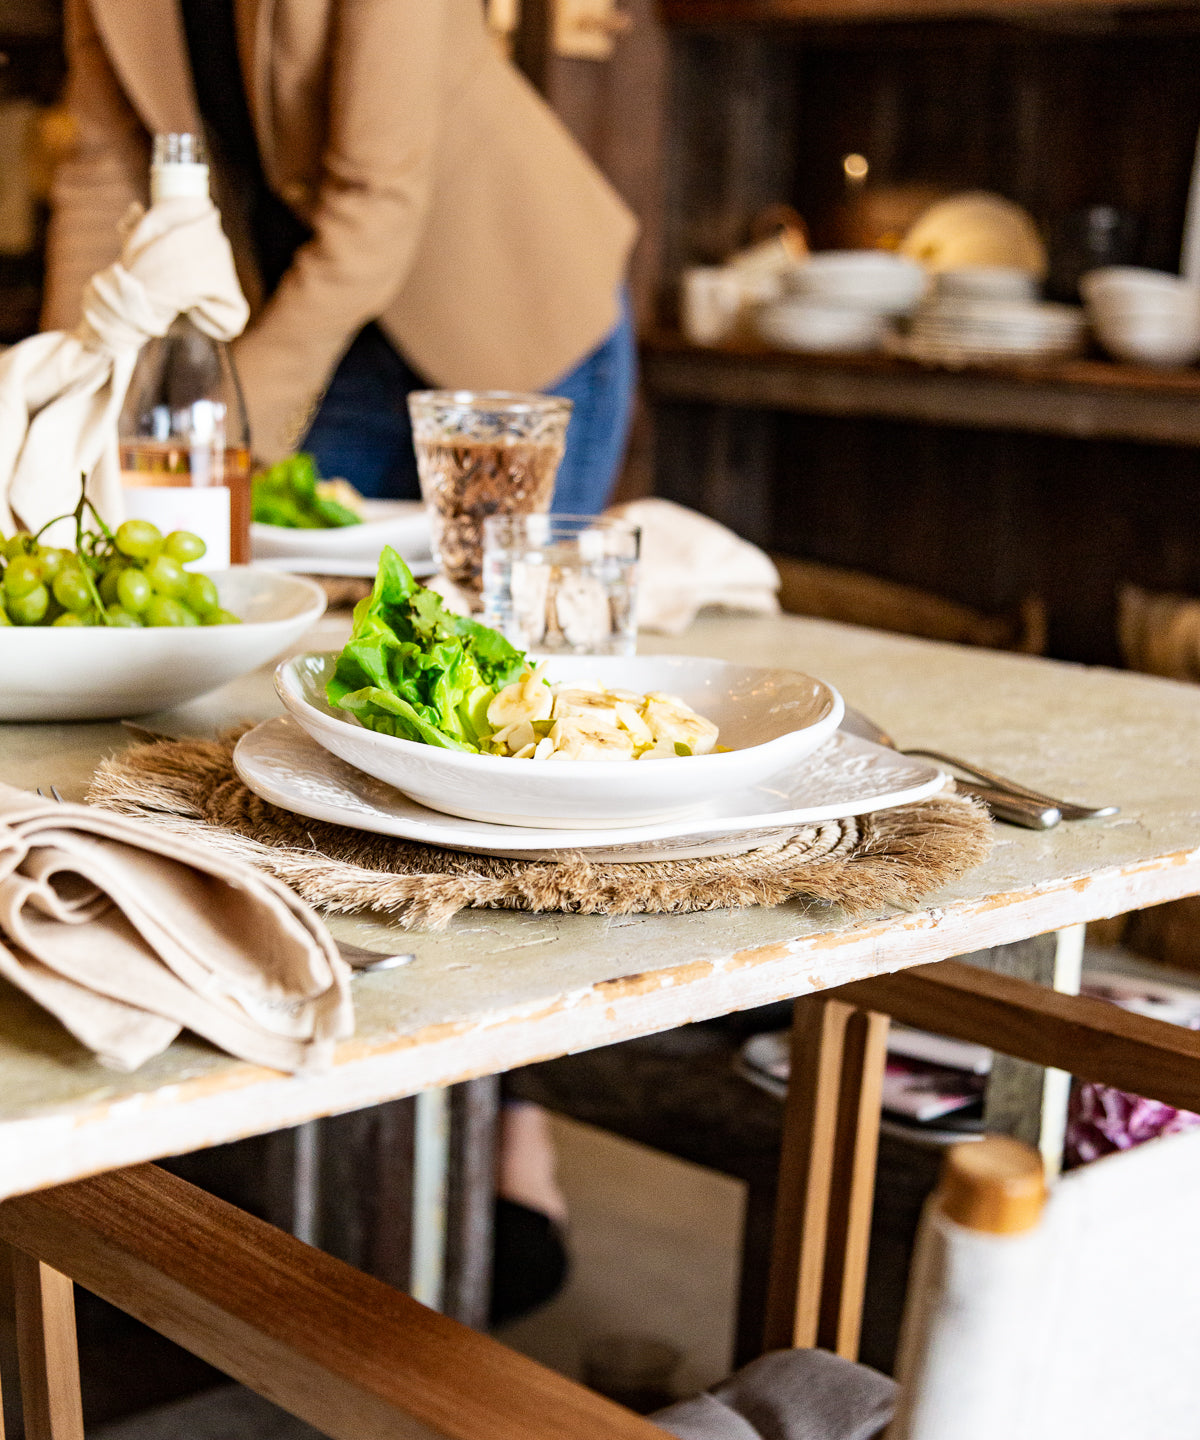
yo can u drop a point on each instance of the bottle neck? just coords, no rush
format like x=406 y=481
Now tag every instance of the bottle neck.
x=174 y=182
x=178 y=167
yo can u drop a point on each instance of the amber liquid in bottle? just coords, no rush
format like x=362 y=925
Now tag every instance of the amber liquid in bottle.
x=165 y=466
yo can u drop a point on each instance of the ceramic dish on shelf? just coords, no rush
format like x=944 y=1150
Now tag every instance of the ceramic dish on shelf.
x=818 y=329
x=844 y=776
x=770 y=719
x=964 y=332
x=402 y=524
x=976 y=227
x=1144 y=317
x=101 y=673
x=985 y=282
x=872 y=280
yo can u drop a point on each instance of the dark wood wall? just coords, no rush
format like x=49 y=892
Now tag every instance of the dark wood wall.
x=1056 y=112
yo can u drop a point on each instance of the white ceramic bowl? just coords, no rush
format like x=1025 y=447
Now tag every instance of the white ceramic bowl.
x=403 y=524
x=93 y=673
x=1163 y=343
x=771 y=718
x=800 y=325
x=860 y=279
x=1133 y=280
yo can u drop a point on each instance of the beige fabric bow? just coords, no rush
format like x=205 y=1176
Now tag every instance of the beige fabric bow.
x=127 y=935
x=61 y=394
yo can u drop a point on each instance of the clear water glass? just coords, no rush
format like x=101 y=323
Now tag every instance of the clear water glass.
x=562 y=584
x=481 y=453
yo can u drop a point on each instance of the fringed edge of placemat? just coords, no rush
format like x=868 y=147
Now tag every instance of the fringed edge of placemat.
x=888 y=858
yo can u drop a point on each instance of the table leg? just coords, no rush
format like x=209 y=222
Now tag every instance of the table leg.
x=47 y=1350
x=431 y=1164
x=471 y=1200
x=405 y=1191
x=1025 y=1100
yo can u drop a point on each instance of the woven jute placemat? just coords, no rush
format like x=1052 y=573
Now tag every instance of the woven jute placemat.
x=891 y=857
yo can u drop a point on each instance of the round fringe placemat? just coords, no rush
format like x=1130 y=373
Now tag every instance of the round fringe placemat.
x=891 y=857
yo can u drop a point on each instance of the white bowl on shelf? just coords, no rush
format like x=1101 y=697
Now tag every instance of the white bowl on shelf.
x=872 y=280
x=1163 y=342
x=1144 y=317
x=770 y=718
x=798 y=324
x=1129 y=282
x=100 y=673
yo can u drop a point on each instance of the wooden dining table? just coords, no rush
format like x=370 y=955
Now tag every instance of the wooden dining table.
x=497 y=990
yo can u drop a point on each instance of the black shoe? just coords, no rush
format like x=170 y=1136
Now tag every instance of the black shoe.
x=530 y=1261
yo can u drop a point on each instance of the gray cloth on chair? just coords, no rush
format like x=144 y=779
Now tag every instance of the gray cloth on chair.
x=788 y=1395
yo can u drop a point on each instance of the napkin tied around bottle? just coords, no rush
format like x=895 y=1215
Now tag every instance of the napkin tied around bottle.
x=128 y=935
x=61 y=394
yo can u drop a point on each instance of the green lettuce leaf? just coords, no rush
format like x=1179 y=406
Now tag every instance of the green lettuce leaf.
x=414 y=669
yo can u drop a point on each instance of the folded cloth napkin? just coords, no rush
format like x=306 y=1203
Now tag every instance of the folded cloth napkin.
x=61 y=394
x=788 y=1395
x=127 y=934
x=689 y=561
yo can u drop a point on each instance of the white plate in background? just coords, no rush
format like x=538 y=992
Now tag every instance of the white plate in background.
x=402 y=524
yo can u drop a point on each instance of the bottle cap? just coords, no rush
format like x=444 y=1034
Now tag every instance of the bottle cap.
x=995 y=1184
x=179 y=167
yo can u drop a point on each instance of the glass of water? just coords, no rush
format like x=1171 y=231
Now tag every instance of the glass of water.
x=562 y=584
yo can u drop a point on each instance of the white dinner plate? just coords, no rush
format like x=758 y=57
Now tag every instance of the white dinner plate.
x=402 y=524
x=847 y=776
x=341 y=569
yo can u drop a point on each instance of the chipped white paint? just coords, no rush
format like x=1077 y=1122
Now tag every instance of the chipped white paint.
x=497 y=990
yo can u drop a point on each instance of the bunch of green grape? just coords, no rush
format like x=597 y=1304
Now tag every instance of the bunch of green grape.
x=133 y=579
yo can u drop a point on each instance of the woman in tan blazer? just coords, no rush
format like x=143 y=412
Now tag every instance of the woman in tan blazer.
x=404 y=209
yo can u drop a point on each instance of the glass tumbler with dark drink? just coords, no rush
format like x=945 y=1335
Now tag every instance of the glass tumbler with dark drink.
x=482 y=453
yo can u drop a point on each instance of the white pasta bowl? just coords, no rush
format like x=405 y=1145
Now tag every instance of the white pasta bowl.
x=98 y=673
x=769 y=718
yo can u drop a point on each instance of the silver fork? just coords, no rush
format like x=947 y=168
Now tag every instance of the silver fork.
x=53 y=794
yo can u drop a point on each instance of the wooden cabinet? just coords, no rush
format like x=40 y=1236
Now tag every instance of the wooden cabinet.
x=983 y=486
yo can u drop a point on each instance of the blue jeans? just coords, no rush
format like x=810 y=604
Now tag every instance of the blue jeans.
x=362 y=431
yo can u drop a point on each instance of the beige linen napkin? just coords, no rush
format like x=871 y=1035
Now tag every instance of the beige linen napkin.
x=61 y=394
x=127 y=934
x=689 y=561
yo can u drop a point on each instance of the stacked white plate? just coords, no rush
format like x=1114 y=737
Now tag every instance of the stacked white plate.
x=349 y=549
x=994 y=332
x=985 y=282
x=1145 y=317
x=841 y=301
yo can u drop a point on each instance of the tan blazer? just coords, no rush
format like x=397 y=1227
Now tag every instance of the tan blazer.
x=445 y=199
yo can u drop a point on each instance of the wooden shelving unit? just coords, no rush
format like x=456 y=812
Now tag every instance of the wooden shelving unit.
x=793 y=12
x=1083 y=399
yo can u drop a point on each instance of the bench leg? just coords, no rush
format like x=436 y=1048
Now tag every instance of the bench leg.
x=47 y=1350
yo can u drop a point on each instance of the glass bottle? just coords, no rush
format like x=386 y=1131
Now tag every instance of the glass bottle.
x=183 y=433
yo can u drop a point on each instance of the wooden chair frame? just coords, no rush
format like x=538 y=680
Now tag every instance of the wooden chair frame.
x=831 y=1123
x=359 y=1360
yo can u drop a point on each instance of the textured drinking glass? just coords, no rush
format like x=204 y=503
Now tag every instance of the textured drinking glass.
x=482 y=453
x=562 y=584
